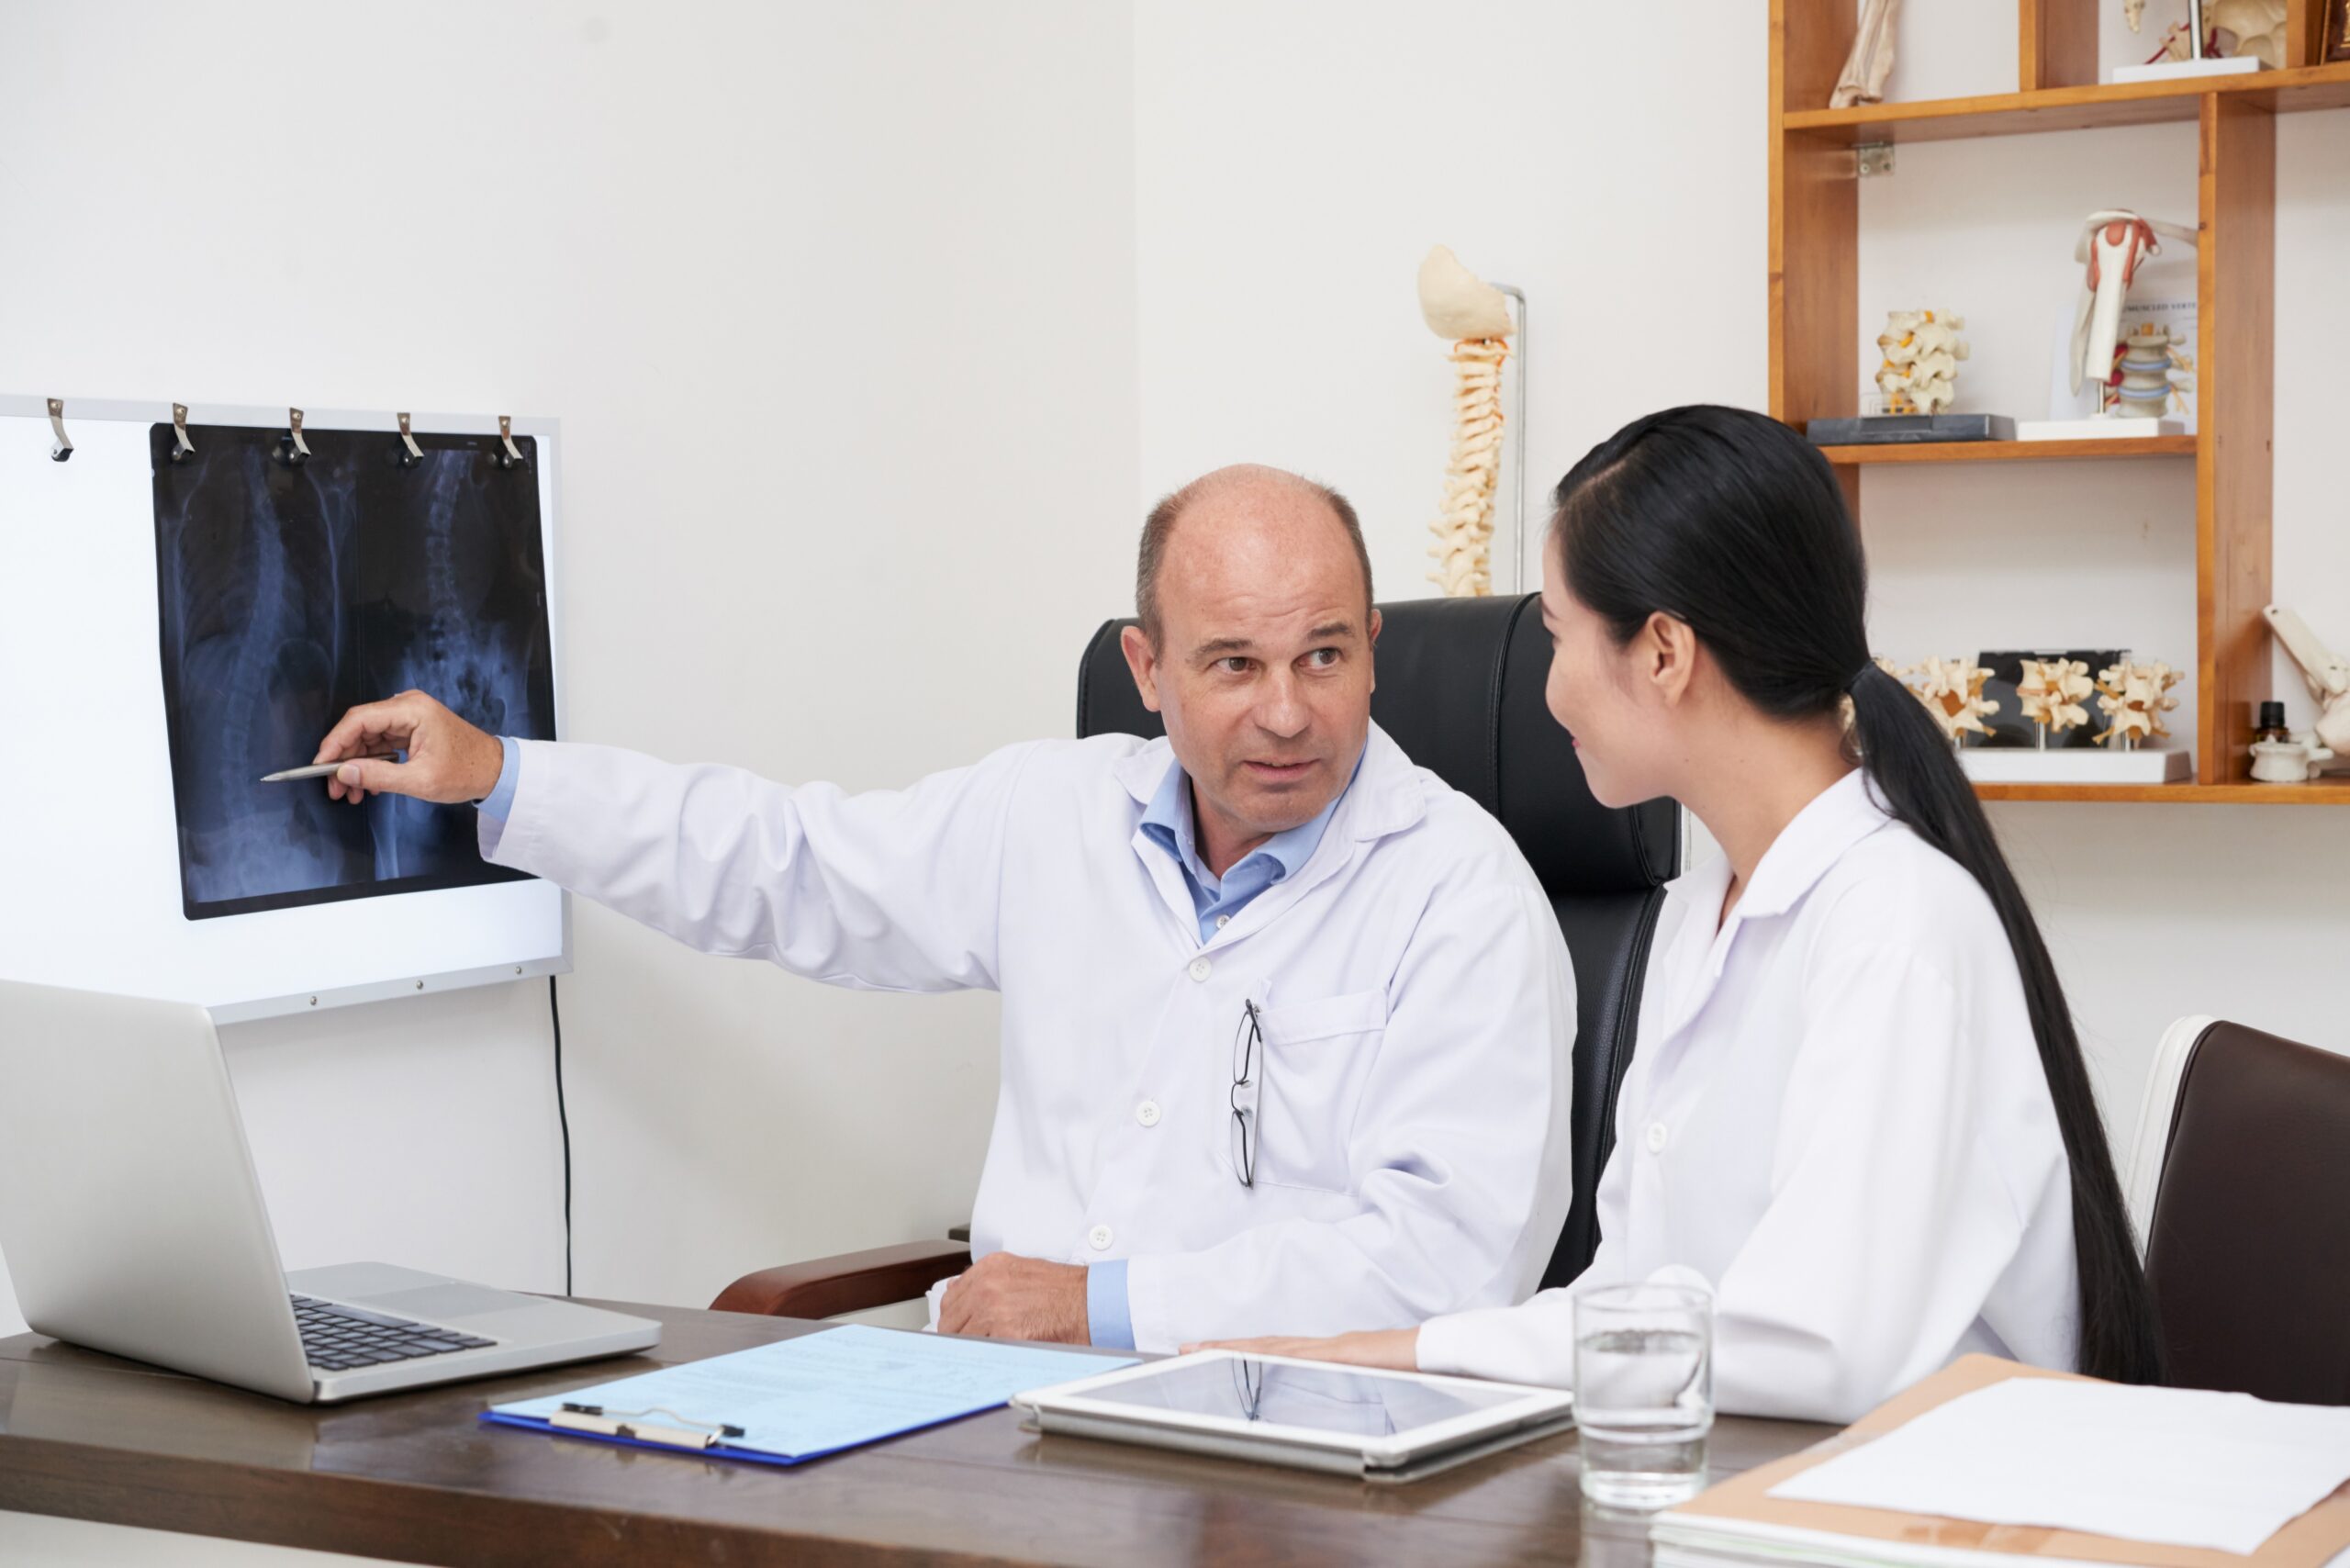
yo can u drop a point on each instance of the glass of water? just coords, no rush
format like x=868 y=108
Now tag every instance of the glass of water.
x=1644 y=1393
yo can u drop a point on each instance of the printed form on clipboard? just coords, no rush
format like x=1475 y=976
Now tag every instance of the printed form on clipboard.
x=802 y=1398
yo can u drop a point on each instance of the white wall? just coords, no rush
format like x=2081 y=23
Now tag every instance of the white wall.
x=1294 y=162
x=836 y=304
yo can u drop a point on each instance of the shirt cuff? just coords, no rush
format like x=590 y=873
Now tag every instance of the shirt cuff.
x=500 y=801
x=1107 y=1315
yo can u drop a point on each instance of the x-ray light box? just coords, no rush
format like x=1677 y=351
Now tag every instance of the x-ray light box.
x=186 y=605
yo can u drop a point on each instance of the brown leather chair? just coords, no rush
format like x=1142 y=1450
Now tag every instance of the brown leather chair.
x=2241 y=1183
x=1461 y=691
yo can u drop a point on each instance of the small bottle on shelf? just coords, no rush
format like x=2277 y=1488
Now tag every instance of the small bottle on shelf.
x=2272 y=724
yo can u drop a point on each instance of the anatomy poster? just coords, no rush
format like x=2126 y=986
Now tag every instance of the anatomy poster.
x=290 y=593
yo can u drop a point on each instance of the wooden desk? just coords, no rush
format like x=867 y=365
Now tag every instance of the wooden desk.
x=416 y=1477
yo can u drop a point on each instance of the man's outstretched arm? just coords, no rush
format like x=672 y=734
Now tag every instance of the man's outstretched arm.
x=889 y=890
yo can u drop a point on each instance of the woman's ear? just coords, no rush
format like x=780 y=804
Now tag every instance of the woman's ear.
x=1668 y=653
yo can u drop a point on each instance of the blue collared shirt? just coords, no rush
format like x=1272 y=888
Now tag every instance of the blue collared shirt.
x=500 y=801
x=1169 y=821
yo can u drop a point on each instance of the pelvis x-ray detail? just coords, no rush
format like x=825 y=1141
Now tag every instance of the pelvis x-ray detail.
x=289 y=594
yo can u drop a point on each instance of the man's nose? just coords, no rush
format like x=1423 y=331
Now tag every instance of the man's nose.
x=1280 y=708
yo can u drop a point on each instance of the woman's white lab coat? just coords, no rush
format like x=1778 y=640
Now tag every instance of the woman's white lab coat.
x=1837 y=1119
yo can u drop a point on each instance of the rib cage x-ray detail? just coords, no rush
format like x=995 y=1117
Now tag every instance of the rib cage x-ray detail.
x=287 y=594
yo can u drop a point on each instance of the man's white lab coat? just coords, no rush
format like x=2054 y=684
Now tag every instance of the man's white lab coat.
x=1416 y=1001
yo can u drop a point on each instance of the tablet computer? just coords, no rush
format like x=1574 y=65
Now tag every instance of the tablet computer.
x=1382 y=1425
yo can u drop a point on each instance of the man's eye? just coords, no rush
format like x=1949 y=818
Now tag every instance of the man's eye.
x=1323 y=658
x=1236 y=664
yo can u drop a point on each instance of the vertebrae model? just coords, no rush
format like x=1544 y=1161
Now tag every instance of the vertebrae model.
x=1473 y=314
x=1921 y=350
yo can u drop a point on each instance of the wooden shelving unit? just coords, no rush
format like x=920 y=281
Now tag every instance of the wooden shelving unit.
x=1815 y=314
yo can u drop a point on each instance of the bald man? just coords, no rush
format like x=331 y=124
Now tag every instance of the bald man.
x=1286 y=1019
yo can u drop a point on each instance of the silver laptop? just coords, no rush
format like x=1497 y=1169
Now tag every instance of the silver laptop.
x=132 y=1222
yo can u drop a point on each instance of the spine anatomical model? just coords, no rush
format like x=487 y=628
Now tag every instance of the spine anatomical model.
x=1921 y=350
x=1475 y=316
x=1951 y=690
x=2142 y=374
x=2051 y=692
x=2135 y=697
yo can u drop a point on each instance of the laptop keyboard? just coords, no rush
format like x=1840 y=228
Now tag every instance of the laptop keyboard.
x=343 y=1338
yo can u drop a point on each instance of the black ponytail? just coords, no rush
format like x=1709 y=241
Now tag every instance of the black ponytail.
x=1730 y=521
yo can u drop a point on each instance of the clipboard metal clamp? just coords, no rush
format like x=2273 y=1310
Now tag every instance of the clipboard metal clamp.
x=684 y=1433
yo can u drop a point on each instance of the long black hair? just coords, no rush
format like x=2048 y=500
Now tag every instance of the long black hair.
x=1730 y=521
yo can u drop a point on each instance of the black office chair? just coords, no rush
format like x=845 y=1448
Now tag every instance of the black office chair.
x=1461 y=691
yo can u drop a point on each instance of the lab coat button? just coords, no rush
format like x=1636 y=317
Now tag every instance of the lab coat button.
x=1099 y=1237
x=1148 y=1113
x=1201 y=968
x=1656 y=1137
x=1222 y=921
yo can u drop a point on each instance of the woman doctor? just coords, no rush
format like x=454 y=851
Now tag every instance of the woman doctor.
x=1858 y=1111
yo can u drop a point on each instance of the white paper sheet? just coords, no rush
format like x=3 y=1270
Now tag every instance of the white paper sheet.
x=2178 y=1466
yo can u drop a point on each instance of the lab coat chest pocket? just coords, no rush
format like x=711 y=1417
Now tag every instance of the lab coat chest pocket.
x=1317 y=1054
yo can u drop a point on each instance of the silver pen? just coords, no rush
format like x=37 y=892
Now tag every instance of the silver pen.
x=322 y=769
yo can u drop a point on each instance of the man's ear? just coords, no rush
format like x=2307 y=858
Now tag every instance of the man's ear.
x=1668 y=650
x=1143 y=660
x=1377 y=621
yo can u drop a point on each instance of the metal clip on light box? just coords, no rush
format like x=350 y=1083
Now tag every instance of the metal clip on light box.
x=512 y=456
x=292 y=450
x=182 y=448
x=413 y=454
x=62 y=447
x=606 y=1423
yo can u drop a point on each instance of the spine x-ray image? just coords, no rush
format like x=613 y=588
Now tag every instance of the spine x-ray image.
x=291 y=593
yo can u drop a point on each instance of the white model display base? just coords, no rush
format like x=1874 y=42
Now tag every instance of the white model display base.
x=2104 y=427
x=2167 y=70
x=2073 y=765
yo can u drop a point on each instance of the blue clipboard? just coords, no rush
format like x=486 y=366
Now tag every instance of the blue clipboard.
x=800 y=1399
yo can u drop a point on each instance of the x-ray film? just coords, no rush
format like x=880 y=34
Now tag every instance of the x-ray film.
x=290 y=593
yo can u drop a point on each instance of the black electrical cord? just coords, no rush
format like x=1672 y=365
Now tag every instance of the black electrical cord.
x=554 y=1013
